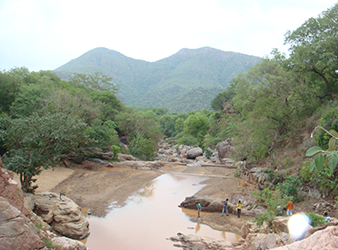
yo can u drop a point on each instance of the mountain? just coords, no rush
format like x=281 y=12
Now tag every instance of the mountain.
x=185 y=81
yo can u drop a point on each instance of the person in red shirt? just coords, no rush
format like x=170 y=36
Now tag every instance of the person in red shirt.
x=289 y=208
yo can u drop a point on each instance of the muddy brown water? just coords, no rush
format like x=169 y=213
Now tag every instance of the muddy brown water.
x=151 y=216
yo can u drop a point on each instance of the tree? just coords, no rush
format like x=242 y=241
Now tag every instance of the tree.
x=38 y=142
x=314 y=52
x=96 y=81
x=197 y=126
x=225 y=96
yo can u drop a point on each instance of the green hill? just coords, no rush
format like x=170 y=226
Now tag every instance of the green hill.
x=185 y=81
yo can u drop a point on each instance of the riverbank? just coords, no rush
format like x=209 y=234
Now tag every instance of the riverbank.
x=96 y=189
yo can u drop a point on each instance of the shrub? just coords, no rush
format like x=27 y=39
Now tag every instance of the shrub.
x=116 y=150
x=290 y=187
x=315 y=220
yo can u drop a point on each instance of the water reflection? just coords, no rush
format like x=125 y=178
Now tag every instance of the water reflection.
x=150 y=216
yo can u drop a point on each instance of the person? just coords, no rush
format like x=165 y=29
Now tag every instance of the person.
x=280 y=210
x=289 y=208
x=327 y=217
x=225 y=207
x=199 y=208
x=239 y=208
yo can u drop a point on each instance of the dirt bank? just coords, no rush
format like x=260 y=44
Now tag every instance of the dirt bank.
x=97 y=189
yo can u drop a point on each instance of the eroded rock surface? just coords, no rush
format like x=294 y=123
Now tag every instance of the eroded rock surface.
x=62 y=214
x=16 y=230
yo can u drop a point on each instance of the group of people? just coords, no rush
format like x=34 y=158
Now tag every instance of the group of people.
x=225 y=208
x=289 y=207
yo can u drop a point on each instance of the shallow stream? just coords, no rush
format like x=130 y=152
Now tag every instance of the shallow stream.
x=151 y=216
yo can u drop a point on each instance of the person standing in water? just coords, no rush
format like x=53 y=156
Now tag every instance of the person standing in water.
x=239 y=208
x=199 y=208
x=225 y=207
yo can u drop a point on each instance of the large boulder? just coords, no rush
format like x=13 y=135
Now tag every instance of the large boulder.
x=16 y=230
x=225 y=149
x=62 y=214
x=194 y=152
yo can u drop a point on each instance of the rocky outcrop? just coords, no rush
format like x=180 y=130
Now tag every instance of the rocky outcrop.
x=16 y=230
x=324 y=239
x=195 y=242
x=62 y=214
x=9 y=190
x=266 y=241
x=215 y=205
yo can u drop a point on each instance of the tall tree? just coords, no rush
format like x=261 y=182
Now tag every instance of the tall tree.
x=37 y=142
x=314 y=52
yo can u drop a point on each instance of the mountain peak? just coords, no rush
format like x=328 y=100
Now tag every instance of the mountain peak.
x=185 y=81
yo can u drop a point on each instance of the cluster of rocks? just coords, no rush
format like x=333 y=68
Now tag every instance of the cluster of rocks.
x=213 y=205
x=276 y=236
x=268 y=237
x=21 y=228
x=193 y=242
x=195 y=156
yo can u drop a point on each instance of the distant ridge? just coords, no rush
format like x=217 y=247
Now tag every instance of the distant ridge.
x=185 y=81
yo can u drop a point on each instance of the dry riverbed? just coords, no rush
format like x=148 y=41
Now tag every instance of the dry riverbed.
x=97 y=189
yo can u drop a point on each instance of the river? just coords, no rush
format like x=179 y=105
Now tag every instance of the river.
x=151 y=216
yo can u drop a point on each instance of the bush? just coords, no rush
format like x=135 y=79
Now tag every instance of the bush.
x=290 y=187
x=116 y=150
x=315 y=220
x=144 y=149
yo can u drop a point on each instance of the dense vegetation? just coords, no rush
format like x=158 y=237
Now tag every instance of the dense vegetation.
x=183 y=82
x=44 y=118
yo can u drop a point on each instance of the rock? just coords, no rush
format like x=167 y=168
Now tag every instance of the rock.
x=125 y=157
x=16 y=230
x=96 y=160
x=68 y=244
x=228 y=161
x=195 y=164
x=140 y=165
x=225 y=149
x=62 y=214
x=280 y=224
x=266 y=241
x=314 y=193
x=195 y=242
x=9 y=189
x=324 y=206
x=324 y=239
x=194 y=152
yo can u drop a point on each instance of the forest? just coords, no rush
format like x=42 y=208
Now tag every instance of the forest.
x=45 y=119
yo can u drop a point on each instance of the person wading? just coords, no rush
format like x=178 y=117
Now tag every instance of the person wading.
x=199 y=208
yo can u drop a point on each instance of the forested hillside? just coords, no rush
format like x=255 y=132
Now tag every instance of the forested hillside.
x=176 y=83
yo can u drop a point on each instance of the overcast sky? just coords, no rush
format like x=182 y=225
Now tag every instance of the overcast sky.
x=45 y=34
